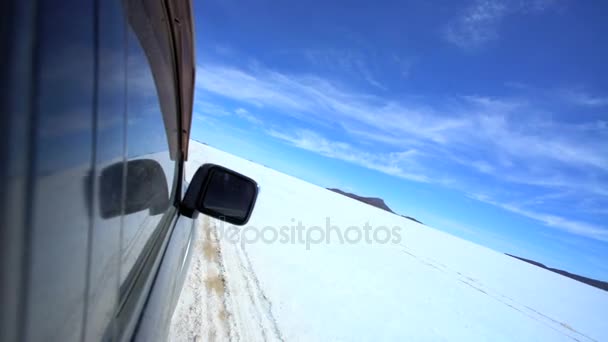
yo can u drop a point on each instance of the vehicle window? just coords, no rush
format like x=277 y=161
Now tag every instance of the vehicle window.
x=150 y=170
x=90 y=154
x=62 y=139
x=105 y=253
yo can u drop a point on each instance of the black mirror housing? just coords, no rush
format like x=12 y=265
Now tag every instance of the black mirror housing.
x=220 y=193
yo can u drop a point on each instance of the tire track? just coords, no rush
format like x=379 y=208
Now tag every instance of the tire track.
x=215 y=285
x=224 y=300
x=252 y=311
x=543 y=319
x=256 y=291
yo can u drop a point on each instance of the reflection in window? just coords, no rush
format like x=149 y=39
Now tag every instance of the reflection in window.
x=148 y=157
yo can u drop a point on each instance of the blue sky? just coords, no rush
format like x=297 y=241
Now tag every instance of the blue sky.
x=486 y=119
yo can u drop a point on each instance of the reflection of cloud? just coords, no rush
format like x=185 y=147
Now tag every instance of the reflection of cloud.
x=75 y=121
x=140 y=78
x=456 y=140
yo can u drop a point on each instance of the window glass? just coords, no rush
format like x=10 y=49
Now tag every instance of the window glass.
x=150 y=171
x=63 y=78
x=106 y=193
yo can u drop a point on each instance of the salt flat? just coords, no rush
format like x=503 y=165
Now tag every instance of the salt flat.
x=429 y=286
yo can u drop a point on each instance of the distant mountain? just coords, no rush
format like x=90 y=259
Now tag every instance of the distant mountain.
x=593 y=282
x=373 y=201
x=411 y=218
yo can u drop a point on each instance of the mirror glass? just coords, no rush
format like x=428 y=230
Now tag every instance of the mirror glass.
x=229 y=195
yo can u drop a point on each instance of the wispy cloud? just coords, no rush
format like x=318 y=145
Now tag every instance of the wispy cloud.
x=244 y=114
x=477 y=25
x=351 y=62
x=555 y=221
x=480 y=22
x=202 y=107
x=472 y=123
x=571 y=95
x=390 y=163
x=446 y=140
x=582 y=98
x=364 y=63
x=404 y=65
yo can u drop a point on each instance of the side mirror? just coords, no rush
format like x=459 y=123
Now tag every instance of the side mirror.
x=221 y=193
